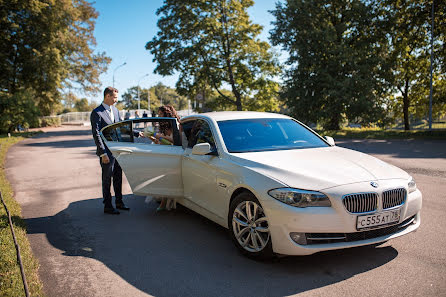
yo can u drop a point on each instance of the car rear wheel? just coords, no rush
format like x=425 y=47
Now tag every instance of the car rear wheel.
x=249 y=227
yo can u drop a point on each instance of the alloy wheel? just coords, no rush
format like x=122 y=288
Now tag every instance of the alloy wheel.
x=250 y=226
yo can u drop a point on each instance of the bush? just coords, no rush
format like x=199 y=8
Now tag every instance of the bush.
x=18 y=111
x=49 y=121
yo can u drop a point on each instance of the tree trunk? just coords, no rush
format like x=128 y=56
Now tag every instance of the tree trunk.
x=406 y=112
x=12 y=88
x=406 y=104
x=238 y=97
x=227 y=52
x=333 y=124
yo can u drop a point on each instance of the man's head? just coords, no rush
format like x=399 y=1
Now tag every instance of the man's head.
x=110 y=96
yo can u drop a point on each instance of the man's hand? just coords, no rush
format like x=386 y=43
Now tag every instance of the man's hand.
x=105 y=159
x=141 y=134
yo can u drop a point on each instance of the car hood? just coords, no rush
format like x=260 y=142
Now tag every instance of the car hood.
x=318 y=168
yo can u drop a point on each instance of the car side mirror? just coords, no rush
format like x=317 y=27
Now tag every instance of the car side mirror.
x=202 y=149
x=330 y=140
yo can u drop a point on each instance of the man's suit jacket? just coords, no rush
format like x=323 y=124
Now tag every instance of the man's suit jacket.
x=100 y=118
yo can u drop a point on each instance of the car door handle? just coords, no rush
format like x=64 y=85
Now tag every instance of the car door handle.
x=124 y=151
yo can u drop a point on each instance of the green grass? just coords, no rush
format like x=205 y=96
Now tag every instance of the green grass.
x=10 y=278
x=423 y=125
x=376 y=133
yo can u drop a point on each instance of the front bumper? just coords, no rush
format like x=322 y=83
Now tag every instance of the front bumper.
x=336 y=222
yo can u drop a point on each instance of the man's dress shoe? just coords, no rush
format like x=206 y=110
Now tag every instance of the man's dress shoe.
x=111 y=211
x=122 y=206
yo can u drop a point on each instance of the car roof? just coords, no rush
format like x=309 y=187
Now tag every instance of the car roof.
x=236 y=115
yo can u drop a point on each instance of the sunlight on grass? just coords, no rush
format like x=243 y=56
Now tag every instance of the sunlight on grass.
x=10 y=277
x=377 y=133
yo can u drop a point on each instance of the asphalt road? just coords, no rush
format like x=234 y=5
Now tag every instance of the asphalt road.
x=82 y=252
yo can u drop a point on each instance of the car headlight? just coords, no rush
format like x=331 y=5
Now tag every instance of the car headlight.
x=412 y=185
x=300 y=198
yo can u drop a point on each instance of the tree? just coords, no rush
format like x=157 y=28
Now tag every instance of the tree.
x=46 y=46
x=159 y=95
x=167 y=95
x=336 y=55
x=130 y=98
x=68 y=100
x=213 y=43
x=267 y=99
x=408 y=24
x=83 y=105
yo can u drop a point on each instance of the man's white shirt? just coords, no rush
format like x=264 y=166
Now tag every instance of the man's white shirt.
x=109 y=111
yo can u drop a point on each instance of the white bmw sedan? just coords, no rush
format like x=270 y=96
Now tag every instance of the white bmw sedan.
x=278 y=186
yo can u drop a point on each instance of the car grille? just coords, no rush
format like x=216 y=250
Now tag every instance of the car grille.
x=392 y=198
x=363 y=202
x=367 y=202
x=324 y=238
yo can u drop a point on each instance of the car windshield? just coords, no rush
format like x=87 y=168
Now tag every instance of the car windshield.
x=254 y=135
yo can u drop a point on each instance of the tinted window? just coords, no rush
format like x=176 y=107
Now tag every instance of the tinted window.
x=200 y=132
x=121 y=132
x=267 y=134
x=126 y=131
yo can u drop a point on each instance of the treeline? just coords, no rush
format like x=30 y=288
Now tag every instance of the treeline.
x=161 y=95
x=349 y=61
x=357 y=61
x=157 y=95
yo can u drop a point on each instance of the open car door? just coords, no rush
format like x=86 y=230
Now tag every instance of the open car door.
x=151 y=169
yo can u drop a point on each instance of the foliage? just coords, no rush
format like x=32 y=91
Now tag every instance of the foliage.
x=264 y=100
x=408 y=24
x=10 y=277
x=130 y=98
x=82 y=105
x=159 y=95
x=376 y=133
x=46 y=45
x=51 y=121
x=167 y=95
x=214 y=44
x=18 y=110
x=72 y=103
x=336 y=60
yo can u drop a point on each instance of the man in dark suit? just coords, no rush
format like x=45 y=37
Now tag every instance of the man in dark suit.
x=103 y=115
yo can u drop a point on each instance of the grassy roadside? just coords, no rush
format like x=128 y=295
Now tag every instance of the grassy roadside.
x=10 y=277
x=374 y=133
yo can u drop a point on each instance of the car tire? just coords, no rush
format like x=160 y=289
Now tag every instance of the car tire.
x=249 y=228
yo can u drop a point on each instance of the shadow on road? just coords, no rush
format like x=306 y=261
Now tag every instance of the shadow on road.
x=71 y=143
x=180 y=253
x=64 y=143
x=75 y=132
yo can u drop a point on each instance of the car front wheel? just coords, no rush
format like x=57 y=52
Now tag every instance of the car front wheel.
x=249 y=227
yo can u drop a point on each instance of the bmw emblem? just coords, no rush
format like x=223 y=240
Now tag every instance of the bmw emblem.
x=374 y=184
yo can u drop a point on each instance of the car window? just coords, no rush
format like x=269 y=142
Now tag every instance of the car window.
x=198 y=131
x=267 y=134
x=128 y=131
x=120 y=132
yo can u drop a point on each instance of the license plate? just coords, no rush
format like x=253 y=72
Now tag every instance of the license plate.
x=377 y=219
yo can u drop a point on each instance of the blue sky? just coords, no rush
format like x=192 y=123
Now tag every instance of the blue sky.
x=124 y=27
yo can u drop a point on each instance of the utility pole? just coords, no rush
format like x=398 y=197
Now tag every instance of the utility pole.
x=115 y=71
x=148 y=100
x=139 y=101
